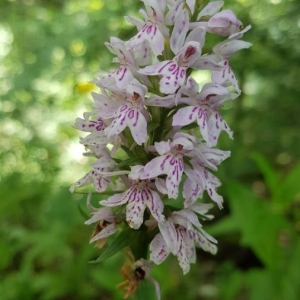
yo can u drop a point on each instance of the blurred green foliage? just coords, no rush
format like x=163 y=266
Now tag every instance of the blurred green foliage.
x=49 y=51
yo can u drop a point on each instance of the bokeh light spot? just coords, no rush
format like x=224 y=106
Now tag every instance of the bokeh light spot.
x=77 y=47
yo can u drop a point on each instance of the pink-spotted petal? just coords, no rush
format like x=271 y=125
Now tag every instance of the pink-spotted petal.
x=159 y=250
x=150 y=33
x=100 y=183
x=172 y=166
x=226 y=77
x=138 y=126
x=189 y=114
x=192 y=190
x=205 y=244
x=160 y=68
x=155 y=206
x=135 y=209
x=89 y=125
x=121 y=78
x=189 y=54
x=174 y=177
x=216 y=125
x=116 y=200
x=180 y=30
x=173 y=76
x=182 y=254
x=157 y=166
x=170 y=83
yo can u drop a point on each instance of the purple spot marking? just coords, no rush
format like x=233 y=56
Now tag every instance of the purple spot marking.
x=131 y=114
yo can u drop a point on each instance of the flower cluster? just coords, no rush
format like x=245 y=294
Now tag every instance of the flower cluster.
x=153 y=130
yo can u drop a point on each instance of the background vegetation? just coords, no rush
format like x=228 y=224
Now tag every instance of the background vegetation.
x=49 y=51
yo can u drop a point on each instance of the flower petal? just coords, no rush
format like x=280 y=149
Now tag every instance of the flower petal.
x=210 y=9
x=189 y=114
x=204 y=243
x=168 y=231
x=135 y=209
x=105 y=232
x=159 y=250
x=224 y=23
x=180 y=30
x=138 y=125
x=101 y=214
x=155 y=206
x=152 y=34
x=216 y=125
x=116 y=200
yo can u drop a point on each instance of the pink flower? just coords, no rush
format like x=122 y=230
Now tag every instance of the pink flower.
x=139 y=197
x=106 y=225
x=170 y=161
x=218 y=61
x=125 y=73
x=89 y=125
x=131 y=114
x=173 y=72
x=178 y=235
x=152 y=29
x=100 y=182
x=224 y=23
x=204 y=111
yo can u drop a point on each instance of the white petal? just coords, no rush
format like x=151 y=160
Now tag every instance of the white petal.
x=180 y=30
x=204 y=243
x=159 y=250
x=216 y=125
x=190 y=216
x=157 y=166
x=210 y=9
x=197 y=35
x=135 y=210
x=162 y=147
x=138 y=125
x=152 y=34
x=117 y=199
x=85 y=180
x=105 y=232
x=224 y=23
x=101 y=214
x=155 y=206
x=169 y=234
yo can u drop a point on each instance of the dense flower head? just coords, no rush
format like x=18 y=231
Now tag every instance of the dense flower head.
x=154 y=130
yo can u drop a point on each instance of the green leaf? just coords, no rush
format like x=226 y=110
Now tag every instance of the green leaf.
x=125 y=239
x=145 y=291
x=258 y=223
x=84 y=214
x=290 y=187
x=130 y=162
x=223 y=226
x=271 y=177
x=127 y=150
x=152 y=126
